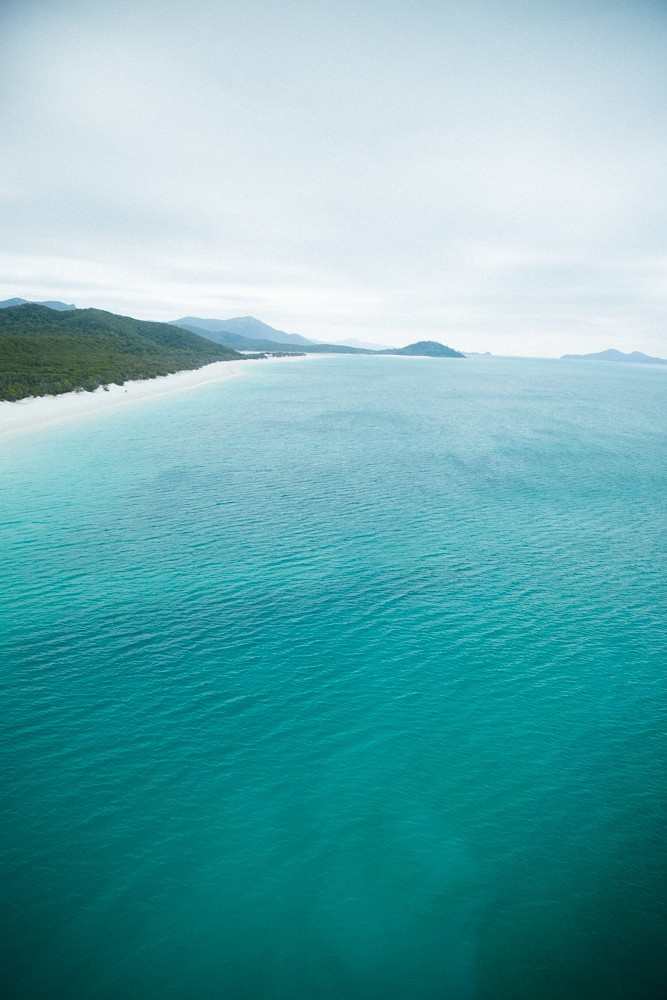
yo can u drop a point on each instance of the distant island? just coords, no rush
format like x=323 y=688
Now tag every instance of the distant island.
x=634 y=357
x=51 y=347
x=426 y=349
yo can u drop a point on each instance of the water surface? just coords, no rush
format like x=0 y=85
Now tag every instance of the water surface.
x=344 y=679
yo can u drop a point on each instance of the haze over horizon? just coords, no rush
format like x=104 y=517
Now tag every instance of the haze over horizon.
x=485 y=176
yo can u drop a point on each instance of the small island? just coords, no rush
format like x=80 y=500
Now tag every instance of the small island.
x=426 y=349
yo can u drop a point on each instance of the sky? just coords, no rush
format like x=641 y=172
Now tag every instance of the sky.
x=490 y=175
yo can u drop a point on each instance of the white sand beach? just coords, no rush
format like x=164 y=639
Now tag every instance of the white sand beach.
x=38 y=412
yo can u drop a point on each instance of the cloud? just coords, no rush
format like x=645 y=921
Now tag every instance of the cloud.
x=485 y=173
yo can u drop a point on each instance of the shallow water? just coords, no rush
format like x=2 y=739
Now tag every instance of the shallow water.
x=338 y=680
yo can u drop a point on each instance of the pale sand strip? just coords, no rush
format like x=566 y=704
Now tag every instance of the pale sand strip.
x=38 y=412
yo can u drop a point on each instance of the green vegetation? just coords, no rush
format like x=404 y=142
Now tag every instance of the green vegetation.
x=44 y=352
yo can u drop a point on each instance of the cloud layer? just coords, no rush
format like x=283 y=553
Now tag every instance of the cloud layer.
x=488 y=174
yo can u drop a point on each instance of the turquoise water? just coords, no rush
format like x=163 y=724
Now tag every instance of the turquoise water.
x=344 y=679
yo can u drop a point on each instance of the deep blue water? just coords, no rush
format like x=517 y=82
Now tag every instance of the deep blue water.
x=344 y=679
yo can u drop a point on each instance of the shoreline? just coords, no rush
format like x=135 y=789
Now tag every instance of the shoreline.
x=35 y=413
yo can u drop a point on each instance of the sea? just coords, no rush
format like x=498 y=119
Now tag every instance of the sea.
x=343 y=679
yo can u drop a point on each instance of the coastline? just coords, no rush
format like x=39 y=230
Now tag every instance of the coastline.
x=35 y=413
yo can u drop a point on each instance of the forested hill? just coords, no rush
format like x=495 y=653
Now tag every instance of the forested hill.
x=46 y=352
x=426 y=349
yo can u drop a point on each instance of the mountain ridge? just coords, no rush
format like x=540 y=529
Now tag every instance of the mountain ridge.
x=243 y=326
x=49 y=303
x=239 y=343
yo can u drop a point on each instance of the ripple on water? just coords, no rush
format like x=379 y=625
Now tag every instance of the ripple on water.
x=342 y=680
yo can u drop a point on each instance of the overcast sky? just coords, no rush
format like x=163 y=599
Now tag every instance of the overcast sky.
x=491 y=175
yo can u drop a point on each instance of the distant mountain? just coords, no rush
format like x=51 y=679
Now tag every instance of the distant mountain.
x=634 y=357
x=58 y=306
x=427 y=349
x=361 y=345
x=44 y=351
x=242 y=326
x=239 y=343
x=247 y=333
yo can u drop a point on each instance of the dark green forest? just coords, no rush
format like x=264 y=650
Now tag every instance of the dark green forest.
x=44 y=352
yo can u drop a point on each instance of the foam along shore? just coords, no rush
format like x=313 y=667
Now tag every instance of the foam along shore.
x=38 y=412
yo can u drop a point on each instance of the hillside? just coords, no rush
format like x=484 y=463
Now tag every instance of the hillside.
x=242 y=326
x=43 y=351
x=427 y=349
x=634 y=357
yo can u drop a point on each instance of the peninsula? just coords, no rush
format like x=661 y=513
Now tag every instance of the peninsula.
x=52 y=348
